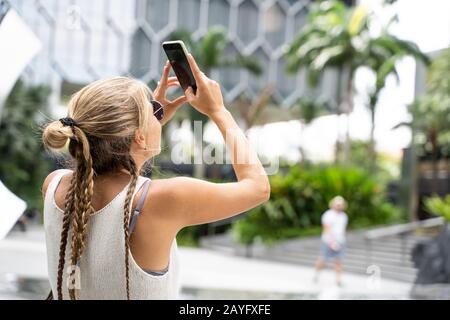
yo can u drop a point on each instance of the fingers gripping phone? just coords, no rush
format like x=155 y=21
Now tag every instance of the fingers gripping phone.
x=177 y=54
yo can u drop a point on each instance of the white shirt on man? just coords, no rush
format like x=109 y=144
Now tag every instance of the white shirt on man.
x=337 y=223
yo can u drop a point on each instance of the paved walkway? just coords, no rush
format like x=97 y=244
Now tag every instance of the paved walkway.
x=206 y=273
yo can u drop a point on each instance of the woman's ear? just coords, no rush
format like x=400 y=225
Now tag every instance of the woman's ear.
x=139 y=138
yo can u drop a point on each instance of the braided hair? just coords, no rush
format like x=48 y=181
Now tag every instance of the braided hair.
x=103 y=119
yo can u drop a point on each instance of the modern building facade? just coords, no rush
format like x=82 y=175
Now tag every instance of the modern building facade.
x=85 y=40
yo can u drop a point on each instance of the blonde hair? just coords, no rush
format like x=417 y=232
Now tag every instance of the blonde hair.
x=106 y=113
x=336 y=201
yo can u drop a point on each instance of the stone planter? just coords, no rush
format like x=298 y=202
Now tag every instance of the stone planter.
x=432 y=258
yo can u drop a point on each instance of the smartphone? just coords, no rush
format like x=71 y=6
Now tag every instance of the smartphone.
x=177 y=54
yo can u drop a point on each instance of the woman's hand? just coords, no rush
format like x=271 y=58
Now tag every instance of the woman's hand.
x=159 y=94
x=208 y=98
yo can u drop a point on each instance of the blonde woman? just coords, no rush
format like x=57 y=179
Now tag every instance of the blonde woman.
x=334 y=224
x=110 y=232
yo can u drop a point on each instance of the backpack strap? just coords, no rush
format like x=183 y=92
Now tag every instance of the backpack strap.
x=139 y=206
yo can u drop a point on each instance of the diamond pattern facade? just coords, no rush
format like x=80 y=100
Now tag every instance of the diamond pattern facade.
x=84 y=40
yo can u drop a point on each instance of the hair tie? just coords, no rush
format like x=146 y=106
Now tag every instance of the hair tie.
x=68 y=122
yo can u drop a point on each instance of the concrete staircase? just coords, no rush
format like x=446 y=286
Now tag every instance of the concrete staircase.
x=391 y=254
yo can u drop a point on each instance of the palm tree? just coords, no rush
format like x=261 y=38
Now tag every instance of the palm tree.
x=337 y=36
x=209 y=54
x=382 y=55
x=326 y=42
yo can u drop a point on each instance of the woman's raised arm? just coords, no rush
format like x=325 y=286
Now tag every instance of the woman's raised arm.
x=197 y=201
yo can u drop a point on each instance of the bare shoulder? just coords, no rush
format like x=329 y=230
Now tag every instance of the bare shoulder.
x=48 y=179
x=173 y=187
x=164 y=200
x=165 y=192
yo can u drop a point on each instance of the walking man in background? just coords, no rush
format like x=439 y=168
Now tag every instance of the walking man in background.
x=334 y=224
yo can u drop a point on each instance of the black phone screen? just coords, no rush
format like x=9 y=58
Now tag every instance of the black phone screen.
x=180 y=66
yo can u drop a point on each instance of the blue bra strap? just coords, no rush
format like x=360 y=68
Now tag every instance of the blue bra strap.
x=139 y=206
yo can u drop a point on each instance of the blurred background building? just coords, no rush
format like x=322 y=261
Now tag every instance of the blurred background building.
x=87 y=40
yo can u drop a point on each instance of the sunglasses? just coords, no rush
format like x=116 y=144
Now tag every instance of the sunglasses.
x=158 y=110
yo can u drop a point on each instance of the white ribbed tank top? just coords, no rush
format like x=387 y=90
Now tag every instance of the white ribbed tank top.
x=102 y=266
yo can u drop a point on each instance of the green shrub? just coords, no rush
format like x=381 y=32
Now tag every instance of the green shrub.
x=188 y=237
x=299 y=198
x=23 y=164
x=439 y=206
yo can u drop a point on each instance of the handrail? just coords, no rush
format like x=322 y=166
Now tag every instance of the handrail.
x=403 y=228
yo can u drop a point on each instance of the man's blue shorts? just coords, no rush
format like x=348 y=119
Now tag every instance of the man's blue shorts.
x=328 y=253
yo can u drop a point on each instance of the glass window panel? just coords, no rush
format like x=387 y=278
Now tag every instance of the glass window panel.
x=275 y=26
x=219 y=13
x=189 y=14
x=158 y=14
x=247 y=28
